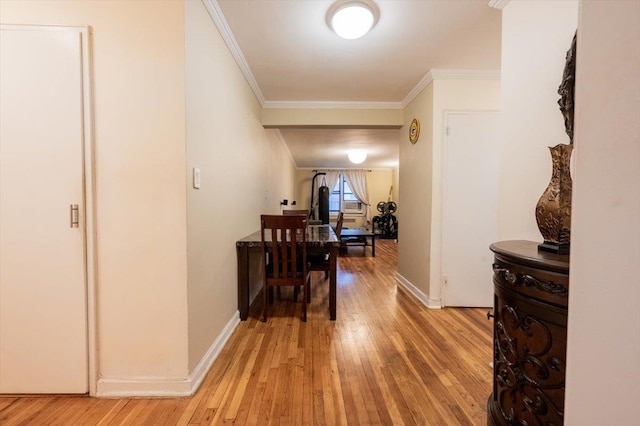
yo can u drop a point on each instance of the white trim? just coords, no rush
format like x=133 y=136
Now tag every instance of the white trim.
x=215 y=12
x=199 y=373
x=88 y=167
x=330 y=105
x=227 y=35
x=419 y=87
x=417 y=293
x=91 y=233
x=166 y=386
x=498 y=4
x=213 y=8
x=448 y=74
x=284 y=145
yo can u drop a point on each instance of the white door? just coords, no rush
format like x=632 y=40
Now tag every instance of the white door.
x=470 y=210
x=43 y=319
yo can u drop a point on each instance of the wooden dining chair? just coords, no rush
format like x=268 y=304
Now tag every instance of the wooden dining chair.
x=289 y=212
x=322 y=261
x=284 y=253
x=294 y=212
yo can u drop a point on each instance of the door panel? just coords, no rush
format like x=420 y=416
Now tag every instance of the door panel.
x=43 y=319
x=470 y=211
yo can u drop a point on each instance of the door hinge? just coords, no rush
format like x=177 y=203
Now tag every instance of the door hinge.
x=448 y=130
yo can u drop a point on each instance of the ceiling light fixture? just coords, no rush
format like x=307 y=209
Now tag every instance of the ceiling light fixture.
x=357 y=156
x=352 y=19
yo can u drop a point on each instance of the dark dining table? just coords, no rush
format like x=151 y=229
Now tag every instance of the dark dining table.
x=320 y=239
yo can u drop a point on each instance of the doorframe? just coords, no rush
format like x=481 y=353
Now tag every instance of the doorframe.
x=88 y=187
x=438 y=196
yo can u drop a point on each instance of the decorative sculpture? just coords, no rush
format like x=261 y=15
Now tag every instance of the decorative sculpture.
x=553 y=211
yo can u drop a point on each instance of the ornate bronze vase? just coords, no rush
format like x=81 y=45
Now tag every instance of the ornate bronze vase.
x=553 y=211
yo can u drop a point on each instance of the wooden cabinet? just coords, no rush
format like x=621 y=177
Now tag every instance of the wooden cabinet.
x=529 y=335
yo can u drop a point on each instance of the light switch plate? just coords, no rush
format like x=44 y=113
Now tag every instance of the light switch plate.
x=196 y=178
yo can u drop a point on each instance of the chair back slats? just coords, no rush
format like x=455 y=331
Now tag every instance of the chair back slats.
x=284 y=253
x=295 y=212
x=285 y=245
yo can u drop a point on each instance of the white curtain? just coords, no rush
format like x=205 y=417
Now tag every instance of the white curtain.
x=357 y=180
x=330 y=180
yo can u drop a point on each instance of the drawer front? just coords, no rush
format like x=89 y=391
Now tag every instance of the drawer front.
x=529 y=360
x=548 y=286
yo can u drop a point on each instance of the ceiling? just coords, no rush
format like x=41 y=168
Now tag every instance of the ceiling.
x=291 y=56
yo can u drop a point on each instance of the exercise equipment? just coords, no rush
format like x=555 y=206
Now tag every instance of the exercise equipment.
x=323 y=200
x=323 y=203
x=386 y=221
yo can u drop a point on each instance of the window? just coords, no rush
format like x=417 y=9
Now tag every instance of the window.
x=343 y=198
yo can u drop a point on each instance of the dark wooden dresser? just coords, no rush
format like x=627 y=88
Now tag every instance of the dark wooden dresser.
x=529 y=335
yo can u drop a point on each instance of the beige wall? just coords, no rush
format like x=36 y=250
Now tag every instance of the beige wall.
x=420 y=219
x=154 y=326
x=245 y=171
x=395 y=181
x=138 y=52
x=414 y=204
x=603 y=348
x=535 y=38
x=330 y=117
x=379 y=182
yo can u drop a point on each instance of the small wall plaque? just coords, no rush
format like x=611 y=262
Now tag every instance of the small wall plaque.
x=414 y=131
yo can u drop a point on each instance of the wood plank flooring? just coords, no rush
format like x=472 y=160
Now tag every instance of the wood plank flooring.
x=386 y=360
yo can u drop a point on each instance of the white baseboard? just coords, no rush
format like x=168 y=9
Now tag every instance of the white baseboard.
x=167 y=386
x=417 y=293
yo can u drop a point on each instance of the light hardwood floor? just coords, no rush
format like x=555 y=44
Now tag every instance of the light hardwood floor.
x=386 y=360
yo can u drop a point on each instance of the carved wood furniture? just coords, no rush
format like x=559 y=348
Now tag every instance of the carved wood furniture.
x=529 y=335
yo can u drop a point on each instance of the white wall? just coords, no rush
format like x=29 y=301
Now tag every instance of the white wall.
x=603 y=348
x=535 y=38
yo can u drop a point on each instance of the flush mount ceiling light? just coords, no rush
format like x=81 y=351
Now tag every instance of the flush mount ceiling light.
x=357 y=156
x=352 y=19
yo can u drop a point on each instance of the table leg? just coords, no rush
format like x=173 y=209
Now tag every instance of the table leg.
x=243 y=281
x=373 y=245
x=333 y=272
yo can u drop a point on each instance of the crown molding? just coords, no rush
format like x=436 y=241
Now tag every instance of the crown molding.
x=498 y=4
x=447 y=74
x=419 y=87
x=219 y=20
x=443 y=74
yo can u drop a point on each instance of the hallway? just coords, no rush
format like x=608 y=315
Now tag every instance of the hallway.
x=385 y=360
